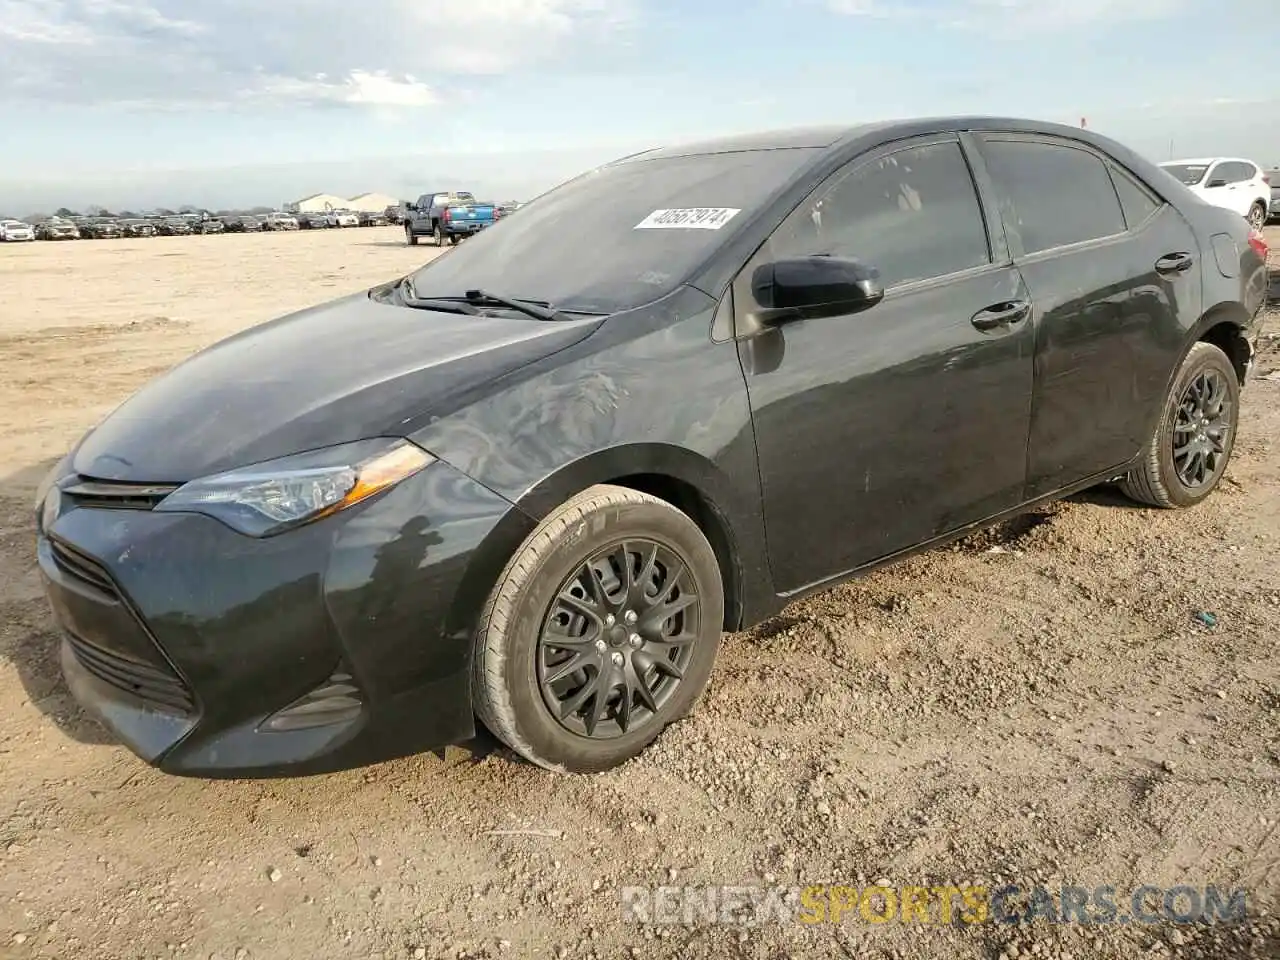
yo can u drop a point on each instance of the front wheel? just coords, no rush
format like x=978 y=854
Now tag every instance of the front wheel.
x=409 y=236
x=602 y=629
x=1183 y=462
x=1257 y=216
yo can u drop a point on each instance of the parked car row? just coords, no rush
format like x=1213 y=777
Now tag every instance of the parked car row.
x=103 y=228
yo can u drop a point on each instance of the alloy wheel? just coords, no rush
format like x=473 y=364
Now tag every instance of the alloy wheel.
x=1201 y=429
x=617 y=638
x=1257 y=218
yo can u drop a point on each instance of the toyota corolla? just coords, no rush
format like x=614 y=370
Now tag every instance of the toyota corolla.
x=531 y=483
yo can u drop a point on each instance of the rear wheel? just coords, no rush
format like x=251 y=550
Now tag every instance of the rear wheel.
x=1257 y=216
x=438 y=235
x=1183 y=462
x=602 y=629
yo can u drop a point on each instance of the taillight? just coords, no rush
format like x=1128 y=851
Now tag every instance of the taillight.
x=1266 y=178
x=1258 y=244
x=448 y=214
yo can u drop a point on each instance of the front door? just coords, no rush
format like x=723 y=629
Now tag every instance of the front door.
x=879 y=430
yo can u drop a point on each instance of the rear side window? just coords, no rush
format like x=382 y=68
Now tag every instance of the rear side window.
x=1136 y=200
x=913 y=214
x=1053 y=195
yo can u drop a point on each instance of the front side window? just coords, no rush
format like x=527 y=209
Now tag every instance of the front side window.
x=913 y=214
x=1235 y=172
x=1052 y=195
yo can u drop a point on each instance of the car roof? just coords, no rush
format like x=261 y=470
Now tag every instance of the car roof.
x=829 y=136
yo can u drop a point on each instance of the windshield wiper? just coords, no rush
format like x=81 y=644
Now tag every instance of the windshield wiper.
x=538 y=309
x=410 y=299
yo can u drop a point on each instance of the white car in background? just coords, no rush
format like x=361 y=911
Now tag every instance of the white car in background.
x=1228 y=182
x=342 y=218
x=14 y=231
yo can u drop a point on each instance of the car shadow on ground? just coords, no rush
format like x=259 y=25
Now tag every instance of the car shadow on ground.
x=1107 y=495
x=29 y=637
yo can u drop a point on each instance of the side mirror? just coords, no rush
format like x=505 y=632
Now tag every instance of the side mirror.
x=1216 y=182
x=811 y=287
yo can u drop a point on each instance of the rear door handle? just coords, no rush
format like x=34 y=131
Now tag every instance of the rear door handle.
x=1174 y=263
x=1001 y=315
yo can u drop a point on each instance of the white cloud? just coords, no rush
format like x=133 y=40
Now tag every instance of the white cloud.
x=180 y=53
x=1010 y=15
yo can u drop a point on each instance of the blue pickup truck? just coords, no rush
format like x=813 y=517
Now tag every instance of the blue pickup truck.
x=449 y=215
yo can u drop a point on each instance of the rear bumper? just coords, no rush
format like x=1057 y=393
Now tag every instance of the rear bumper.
x=465 y=228
x=342 y=643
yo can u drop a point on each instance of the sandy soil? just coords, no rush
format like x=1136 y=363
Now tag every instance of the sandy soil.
x=1038 y=704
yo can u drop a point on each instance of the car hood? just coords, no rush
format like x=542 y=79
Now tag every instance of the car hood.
x=348 y=370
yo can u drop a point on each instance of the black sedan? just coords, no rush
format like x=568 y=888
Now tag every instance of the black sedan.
x=139 y=228
x=174 y=227
x=533 y=481
x=101 y=229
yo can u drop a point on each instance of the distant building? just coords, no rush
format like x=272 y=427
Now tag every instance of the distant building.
x=372 y=202
x=317 y=203
x=323 y=202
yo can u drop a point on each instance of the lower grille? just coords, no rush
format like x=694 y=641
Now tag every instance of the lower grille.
x=147 y=682
x=83 y=568
x=336 y=701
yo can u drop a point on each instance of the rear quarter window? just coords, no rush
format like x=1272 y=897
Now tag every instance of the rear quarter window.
x=1138 y=203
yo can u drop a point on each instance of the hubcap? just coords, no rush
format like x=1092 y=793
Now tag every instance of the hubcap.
x=1202 y=429
x=617 y=639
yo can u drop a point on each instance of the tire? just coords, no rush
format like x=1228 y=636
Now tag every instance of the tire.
x=509 y=664
x=409 y=237
x=1257 y=216
x=453 y=241
x=1157 y=480
x=438 y=235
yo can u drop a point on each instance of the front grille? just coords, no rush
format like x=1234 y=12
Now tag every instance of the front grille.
x=81 y=567
x=119 y=496
x=150 y=683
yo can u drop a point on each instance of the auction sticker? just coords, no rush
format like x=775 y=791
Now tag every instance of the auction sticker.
x=688 y=218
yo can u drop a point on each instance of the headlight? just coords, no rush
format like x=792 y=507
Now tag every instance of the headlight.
x=268 y=498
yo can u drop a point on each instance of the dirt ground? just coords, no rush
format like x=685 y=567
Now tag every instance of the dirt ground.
x=1042 y=703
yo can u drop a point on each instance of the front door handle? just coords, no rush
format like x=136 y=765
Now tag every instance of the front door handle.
x=1174 y=263
x=1001 y=315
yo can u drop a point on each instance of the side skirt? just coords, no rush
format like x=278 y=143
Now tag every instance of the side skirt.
x=817 y=587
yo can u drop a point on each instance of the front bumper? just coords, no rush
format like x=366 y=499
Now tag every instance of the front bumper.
x=341 y=643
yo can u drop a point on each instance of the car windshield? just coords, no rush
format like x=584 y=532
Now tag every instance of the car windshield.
x=1188 y=173
x=601 y=242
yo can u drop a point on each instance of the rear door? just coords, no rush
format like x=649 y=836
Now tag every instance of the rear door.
x=1114 y=274
x=880 y=430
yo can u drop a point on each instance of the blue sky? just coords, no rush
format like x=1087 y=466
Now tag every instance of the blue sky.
x=219 y=102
